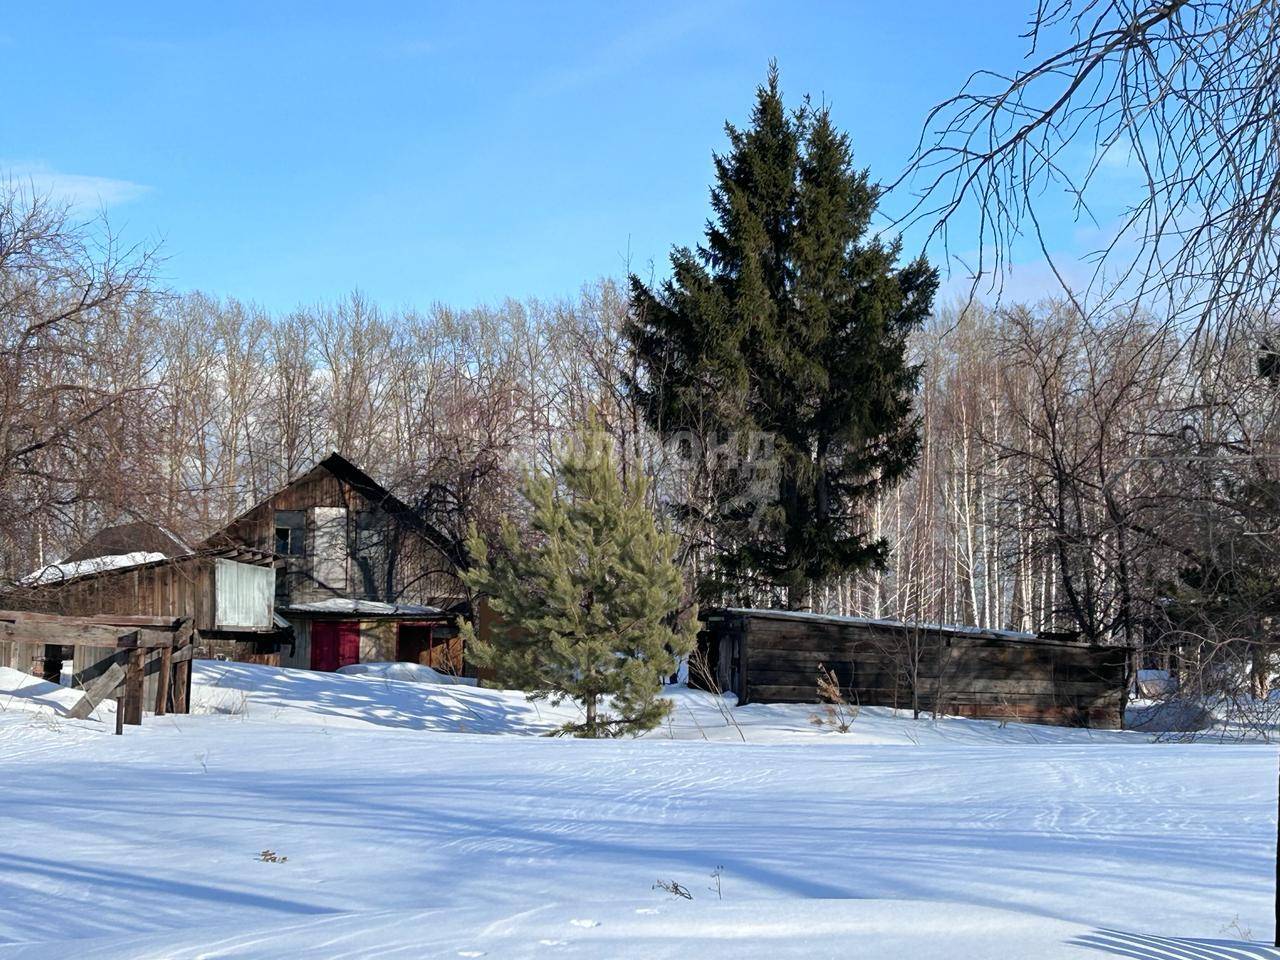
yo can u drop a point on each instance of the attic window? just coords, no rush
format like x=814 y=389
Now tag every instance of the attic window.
x=289 y=541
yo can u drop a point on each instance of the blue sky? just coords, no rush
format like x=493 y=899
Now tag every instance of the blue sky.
x=288 y=153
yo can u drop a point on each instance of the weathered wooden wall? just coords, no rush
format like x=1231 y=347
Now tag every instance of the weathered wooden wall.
x=379 y=644
x=182 y=587
x=775 y=659
x=268 y=649
x=301 y=654
x=217 y=593
x=420 y=574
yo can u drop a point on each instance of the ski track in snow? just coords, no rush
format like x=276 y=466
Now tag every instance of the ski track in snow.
x=406 y=838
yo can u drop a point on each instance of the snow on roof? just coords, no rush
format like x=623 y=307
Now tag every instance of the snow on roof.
x=132 y=537
x=370 y=607
x=61 y=572
x=874 y=622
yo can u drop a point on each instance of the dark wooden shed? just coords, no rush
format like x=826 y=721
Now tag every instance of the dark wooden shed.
x=774 y=656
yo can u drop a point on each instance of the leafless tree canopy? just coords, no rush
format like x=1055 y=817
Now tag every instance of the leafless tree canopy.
x=1186 y=93
x=77 y=364
x=121 y=401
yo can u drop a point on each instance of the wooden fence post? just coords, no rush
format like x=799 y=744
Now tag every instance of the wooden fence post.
x=182 y=678
x=162 y=680
x=133 y=680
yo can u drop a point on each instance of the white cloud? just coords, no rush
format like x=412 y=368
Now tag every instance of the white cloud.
x=76 y=189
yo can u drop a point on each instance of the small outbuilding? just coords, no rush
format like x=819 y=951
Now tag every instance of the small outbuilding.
x=775 y=656
x=227 y=593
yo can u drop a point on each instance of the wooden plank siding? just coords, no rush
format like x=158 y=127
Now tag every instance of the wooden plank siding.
x=193 y=586
x=177 y=587
x=771 y=657
x=419 y=574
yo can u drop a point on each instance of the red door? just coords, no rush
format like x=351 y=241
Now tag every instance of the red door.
x=334 y=644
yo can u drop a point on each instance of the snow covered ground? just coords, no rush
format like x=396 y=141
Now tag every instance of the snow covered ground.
x=421 y=820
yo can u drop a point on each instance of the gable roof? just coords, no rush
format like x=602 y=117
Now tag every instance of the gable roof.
x=369 y=488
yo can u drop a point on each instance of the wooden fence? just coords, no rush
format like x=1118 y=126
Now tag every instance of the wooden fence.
x=134 y=660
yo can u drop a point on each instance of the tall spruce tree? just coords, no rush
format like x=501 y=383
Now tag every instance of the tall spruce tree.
x=790 y=321
x=591 y=600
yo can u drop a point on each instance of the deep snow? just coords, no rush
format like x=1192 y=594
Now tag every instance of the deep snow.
x=407 y=838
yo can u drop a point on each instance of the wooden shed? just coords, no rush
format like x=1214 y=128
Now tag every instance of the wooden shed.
x=774 y=656
x=227 y=593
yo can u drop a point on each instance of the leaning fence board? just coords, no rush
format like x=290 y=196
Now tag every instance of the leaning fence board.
x=97 y=691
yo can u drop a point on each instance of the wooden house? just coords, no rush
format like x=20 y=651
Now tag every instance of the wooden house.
x=774 y=656
x=360 y=576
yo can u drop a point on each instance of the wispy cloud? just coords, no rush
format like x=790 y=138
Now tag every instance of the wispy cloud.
x=76 y=189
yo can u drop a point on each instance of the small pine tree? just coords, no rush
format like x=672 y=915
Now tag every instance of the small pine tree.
x=590 y=604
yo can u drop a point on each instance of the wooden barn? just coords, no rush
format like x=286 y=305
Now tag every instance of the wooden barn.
x=774 y=656
x=360 y=576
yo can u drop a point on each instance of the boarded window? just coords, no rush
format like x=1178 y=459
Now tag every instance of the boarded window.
x=329 y=548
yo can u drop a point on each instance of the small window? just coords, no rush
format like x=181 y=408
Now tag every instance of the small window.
x=289 y=541
x=290 y=533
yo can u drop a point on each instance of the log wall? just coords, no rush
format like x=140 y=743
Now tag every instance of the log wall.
x=774 y=658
